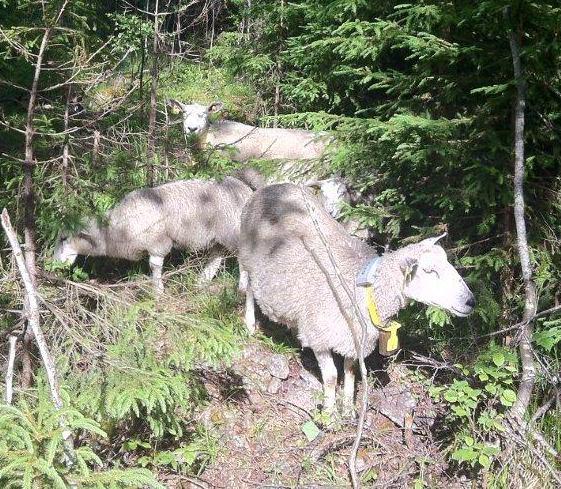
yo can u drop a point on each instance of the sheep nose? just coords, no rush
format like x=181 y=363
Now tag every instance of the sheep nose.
x=471 y=302
x=192 y=129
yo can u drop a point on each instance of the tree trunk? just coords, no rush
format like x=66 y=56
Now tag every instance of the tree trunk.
x=28 y=198
x=12 y=340
x=29 y=163
x=154 y=73
x=66 y=147
x=530 y=297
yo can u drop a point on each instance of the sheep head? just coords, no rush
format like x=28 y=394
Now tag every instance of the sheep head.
x=334 y=192
x=68 y=247
x=431 y=279
x=195 y=116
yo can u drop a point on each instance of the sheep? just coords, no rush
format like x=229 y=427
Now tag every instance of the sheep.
x=293 y=280
x=185 y=214
x=248 y=142
x=302 y=151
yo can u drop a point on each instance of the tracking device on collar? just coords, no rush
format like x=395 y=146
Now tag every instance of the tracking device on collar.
x=366 y=276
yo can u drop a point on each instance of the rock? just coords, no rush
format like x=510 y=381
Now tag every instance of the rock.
x=304 y=399
x=274 y=385
x=360 y=464
x=278 y=367
x=394 y=402
x=240 y=442
x=310 y=381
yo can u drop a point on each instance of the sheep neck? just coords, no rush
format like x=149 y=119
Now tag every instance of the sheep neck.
x=95 y=244
x=387 y=287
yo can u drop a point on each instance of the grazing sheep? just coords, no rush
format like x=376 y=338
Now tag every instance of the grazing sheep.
x=186 y=214
x=294 y=282
x=249 y=142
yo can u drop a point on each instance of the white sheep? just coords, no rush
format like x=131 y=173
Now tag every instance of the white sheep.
x=293 y=280
x=301 y=151
x=248 y=142
x=185 y=214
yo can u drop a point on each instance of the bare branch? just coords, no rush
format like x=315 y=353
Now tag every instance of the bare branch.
x=10 y=370
x=32 y=310
x=530 y=303
x=359 y=340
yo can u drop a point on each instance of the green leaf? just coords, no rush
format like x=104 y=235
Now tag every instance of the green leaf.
x=464 y=455
x=548 y=338
x=451 y=396
x=310 y=429
x=484 y=461
x=508 y=396
x=498 y=359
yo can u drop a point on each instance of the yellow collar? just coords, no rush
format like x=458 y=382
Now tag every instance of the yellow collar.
x=390 y=337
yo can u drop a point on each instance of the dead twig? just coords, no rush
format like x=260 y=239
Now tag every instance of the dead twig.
x=358 y=341
x=530 y=300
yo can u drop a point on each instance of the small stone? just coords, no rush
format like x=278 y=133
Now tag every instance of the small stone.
x=304 y=399
x=274 y=385
x=394 y=402
x=360 y=464
x=240 y=442
x=278 y=367
x=310 y=381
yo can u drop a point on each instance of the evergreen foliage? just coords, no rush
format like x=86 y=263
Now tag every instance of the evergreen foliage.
x=419 y=96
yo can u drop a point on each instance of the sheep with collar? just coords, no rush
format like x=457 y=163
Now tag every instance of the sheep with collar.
x=284 y=240
x=185 y=214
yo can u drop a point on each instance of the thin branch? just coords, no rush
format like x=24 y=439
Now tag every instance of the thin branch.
x=358 y=341
x=10 y=369
x=32 y=310
x=530 y=301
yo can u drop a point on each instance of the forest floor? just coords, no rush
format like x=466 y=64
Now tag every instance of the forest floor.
x=264 y=412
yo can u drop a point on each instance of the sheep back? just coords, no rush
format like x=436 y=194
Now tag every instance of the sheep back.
x=277 y=234
x=252 y=142
x=186 y=214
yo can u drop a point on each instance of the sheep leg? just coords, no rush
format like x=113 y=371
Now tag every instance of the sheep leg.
x=249 y=309
x=244 y=281
x=210 y=269
x=329 y=377
x=156 y=264
x=348 y=385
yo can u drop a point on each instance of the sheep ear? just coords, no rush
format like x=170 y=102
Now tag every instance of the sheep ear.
x=408 y=265
x=433 y=241
x=176 y=104
x=314 y=183
x=215 y=107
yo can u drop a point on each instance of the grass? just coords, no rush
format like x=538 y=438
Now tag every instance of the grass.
x=197 y=84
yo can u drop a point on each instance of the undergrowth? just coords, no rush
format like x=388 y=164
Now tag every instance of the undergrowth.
x=128 y=367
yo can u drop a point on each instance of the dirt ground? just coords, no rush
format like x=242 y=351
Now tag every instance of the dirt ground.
x=261 y=406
